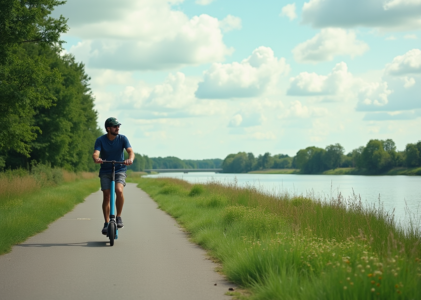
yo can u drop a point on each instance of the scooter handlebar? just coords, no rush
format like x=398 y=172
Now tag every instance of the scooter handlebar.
x=114 y=162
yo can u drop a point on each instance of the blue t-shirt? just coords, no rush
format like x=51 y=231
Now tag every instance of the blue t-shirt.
x=112 y=150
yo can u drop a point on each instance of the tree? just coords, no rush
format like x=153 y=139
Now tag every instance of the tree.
x=24 y=77
x=374 y=156
x=333 y=156
x=412 y=155
x=267 y=161
x=357 y=161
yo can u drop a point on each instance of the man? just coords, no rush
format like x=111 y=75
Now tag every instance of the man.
x=111 y=146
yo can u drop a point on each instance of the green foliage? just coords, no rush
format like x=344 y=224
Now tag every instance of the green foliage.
x=377 y=157
x=19 y=220
x=281 y=248
x=24 y=77
x=171 y=162
x=44 y=96
x=196 y=190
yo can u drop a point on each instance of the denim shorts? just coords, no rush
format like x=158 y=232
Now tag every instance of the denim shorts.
x=106 y=180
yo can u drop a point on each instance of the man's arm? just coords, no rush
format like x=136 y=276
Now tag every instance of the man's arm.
x=130 y=160
x=96 y=157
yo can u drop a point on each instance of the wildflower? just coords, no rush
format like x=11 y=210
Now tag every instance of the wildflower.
x=373 y=282
x=378 y=284
x=348 y=279
x=351 y=283
x=396 y=285
x=370 y=275
x=345 y=287
x=373 y=290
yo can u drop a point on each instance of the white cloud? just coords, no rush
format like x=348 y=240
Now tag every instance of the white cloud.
x=142 y=35
x=410 y=37
x=409 y=81
x=289 y=11
x=380 y=14
x=391 y=38
x=398 y=4
x=327 y=44
x=373 y=94
x=236 y=120
x=262 y=136
x=204 y=2
x=338 y=82
x=409 y=63
x=252 y=77
x=230 y=23
x=298 y=110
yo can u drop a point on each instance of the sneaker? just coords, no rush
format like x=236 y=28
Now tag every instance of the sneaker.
x=105 y=229
x=119 y=222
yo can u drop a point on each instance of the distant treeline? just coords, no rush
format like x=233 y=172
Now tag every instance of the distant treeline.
x=376 y=157
x=142 y=162
x=47 y=110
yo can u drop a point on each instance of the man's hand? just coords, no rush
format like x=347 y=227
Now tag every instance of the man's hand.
x=128 y=162
x=98 y=160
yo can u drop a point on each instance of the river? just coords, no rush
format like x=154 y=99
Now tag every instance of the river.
x=396 y=193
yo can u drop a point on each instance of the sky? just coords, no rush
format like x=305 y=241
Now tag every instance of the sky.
x=201 y=79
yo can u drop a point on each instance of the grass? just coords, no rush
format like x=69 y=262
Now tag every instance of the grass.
x=29 y=202
x=285 y=247
x=354 y=171
x=276 y=171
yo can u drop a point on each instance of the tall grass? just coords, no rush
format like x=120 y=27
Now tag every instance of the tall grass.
x=29 y=201
x=286 y=247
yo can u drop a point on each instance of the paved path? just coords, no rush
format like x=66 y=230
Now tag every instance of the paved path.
x=152 y=259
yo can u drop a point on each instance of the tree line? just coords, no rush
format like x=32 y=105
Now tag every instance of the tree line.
x=142 y=162
x=376 y=157
x=47 y=108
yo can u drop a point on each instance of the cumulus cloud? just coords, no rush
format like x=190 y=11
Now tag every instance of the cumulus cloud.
x=141 y=35
x=327 y=44
x=174 y=98
x=289 y=11
x=339 y=81
x=410 y=37
x=409 y=63
x=230 y=23
x=252 y=77
x=246 y=118
x=373 y=94
x=298 y=110
x=381 y=14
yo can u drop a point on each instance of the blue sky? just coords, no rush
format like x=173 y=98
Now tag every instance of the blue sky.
x=202 y=79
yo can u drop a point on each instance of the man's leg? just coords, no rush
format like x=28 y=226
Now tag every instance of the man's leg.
x=106 y=205
x=120 y=198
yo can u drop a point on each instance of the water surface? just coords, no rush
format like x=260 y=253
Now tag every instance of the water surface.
x=396 y=193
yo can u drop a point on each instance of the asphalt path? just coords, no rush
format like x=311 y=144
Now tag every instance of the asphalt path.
x=152 y=258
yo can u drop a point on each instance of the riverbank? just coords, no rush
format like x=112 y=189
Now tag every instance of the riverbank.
x=294 y=248
x=29 y=202
x=344 y=171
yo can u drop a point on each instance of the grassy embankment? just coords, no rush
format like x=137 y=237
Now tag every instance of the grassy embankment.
x=276 y=171
x=354 y=171
x=344 y=171
x=29 y=202
x=284 y=247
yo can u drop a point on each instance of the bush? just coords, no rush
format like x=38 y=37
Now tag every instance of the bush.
x=45 y=175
